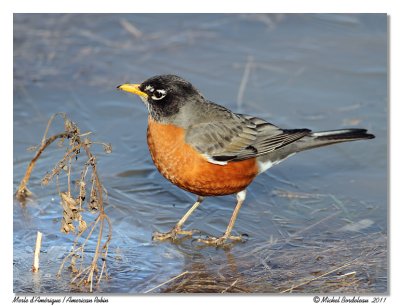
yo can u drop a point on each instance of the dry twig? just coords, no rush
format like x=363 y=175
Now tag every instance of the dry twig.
x=73 y=205
x=168 y=281
x=35 y=266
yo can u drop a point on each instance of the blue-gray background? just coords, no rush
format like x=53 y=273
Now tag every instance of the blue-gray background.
x=317 y=71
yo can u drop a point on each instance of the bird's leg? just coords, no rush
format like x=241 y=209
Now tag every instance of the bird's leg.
x=227 y=235
x=177 y=229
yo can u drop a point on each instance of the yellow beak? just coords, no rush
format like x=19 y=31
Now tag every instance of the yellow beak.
x=133 y=88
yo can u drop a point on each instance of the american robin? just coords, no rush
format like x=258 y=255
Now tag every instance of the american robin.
x=208 y=150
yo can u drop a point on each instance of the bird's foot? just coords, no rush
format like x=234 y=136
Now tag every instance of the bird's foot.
x=223 y=240
x=172 y=234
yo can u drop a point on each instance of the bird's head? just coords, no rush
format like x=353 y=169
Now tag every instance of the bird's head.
x=164 y=95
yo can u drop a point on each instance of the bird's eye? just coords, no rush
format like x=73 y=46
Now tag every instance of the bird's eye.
x=159 y=94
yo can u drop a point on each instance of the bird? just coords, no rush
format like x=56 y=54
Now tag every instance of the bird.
x=208 y=150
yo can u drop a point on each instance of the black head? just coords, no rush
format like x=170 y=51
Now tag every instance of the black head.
x=164 y=95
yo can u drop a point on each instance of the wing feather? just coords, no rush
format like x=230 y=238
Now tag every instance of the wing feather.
x=239 y=137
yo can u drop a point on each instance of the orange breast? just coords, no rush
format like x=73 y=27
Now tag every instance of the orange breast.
x=185 y=167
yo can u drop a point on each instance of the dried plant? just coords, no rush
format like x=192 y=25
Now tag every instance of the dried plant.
x=87 y=195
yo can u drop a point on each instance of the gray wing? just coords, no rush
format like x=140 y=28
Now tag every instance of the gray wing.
x=239 y=137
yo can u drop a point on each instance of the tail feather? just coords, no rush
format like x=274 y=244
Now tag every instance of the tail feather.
x=324 y=138
x=343 y=135
x=311 y=141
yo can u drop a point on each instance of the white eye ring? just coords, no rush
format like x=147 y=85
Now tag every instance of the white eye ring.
x=161 y=92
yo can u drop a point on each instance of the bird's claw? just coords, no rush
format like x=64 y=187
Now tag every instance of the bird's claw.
x=172 y=234
x=223 y=240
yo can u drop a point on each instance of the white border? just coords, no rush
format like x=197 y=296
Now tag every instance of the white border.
x=204 y=6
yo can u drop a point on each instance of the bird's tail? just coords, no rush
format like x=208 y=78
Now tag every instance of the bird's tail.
x=311 y=141
x=324 y=138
